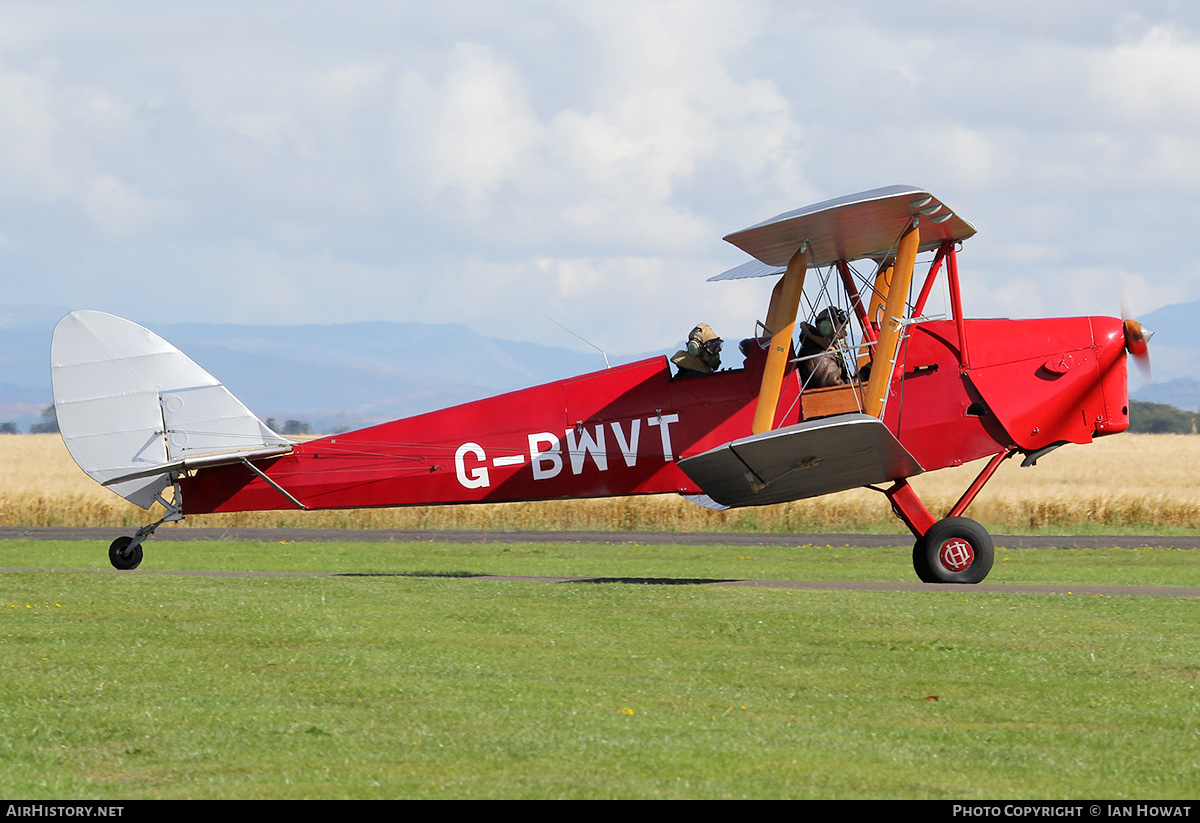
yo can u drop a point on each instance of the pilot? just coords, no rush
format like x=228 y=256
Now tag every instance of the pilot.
x=820 y=344
x=703 y=353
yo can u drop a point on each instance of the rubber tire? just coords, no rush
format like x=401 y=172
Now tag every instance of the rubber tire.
x=927 y=561
x=122 y=557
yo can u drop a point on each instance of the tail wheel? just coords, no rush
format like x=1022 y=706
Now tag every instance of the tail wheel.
x=122 y=556
x=954 y=550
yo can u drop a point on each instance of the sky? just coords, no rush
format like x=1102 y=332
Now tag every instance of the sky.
x=515 y=165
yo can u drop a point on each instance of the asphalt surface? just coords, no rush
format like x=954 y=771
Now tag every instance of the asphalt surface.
x=106 y=535
x=187 y=534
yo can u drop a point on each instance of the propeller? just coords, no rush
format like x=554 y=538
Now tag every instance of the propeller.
x=1136 y=338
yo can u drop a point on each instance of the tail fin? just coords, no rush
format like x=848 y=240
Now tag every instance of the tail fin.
x=134 y=411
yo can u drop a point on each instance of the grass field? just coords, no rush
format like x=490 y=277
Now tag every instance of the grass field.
x=1127 y=484
x=408 y=679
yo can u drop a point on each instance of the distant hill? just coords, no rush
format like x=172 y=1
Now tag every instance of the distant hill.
x=1182 y=393
x=354 y=374
x=24 y=373
x=330 y=376
x=1160 y=418
x=1174 y=357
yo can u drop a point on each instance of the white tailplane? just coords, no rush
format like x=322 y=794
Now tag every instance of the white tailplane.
x=134 y=411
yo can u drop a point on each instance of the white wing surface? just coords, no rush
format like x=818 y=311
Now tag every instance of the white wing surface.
x=860 y=225
x=133 y=409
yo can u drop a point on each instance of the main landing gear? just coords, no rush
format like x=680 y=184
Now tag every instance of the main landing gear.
x=954 y=550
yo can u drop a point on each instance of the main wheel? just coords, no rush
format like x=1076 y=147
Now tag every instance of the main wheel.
x=122 y=556
x=954 y=550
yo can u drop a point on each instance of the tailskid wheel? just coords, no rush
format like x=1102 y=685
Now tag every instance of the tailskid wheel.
x=125 y=553
x=954 y=550
x=123 y=556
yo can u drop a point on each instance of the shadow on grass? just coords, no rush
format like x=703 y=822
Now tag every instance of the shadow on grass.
x=652 y=581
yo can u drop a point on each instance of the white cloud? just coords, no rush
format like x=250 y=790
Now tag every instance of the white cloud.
x=119 y=210
x=275 y=130
x=465 y=135
x=519 y=159
x=1153 y=79
x=30 y=130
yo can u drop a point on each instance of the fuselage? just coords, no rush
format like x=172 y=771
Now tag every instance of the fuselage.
x=1027 y=384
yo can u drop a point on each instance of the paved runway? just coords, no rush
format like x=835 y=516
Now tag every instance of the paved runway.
x=106 y=535
x=188 y=533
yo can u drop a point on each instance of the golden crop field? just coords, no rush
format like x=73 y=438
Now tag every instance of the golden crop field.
x=1126 y=483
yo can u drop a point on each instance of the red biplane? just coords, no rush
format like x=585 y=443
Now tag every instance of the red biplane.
x=906 y=393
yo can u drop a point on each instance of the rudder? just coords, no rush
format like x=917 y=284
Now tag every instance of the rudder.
x=134 y=411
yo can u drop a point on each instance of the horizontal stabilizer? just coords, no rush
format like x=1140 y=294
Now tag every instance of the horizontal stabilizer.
x=860 y=225
x=133 y=409
x=805 y=460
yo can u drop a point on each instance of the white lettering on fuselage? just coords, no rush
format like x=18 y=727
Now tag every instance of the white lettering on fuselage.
x=545 y=450
x=478 y=477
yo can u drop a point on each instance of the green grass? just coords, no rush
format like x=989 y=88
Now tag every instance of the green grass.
x=119 y=686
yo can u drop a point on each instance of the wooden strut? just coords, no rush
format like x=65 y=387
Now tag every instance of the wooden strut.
x=781 y=320
x=888 y=346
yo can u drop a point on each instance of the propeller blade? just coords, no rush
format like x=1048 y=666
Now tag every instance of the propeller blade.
x=1136 y=338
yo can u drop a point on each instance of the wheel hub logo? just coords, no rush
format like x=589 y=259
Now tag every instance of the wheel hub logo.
x=956 y=554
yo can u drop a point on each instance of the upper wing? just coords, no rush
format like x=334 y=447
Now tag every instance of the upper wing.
x=860 y=225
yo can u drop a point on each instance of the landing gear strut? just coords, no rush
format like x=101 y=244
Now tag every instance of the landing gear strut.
x=125 y=553
x=952 y=550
